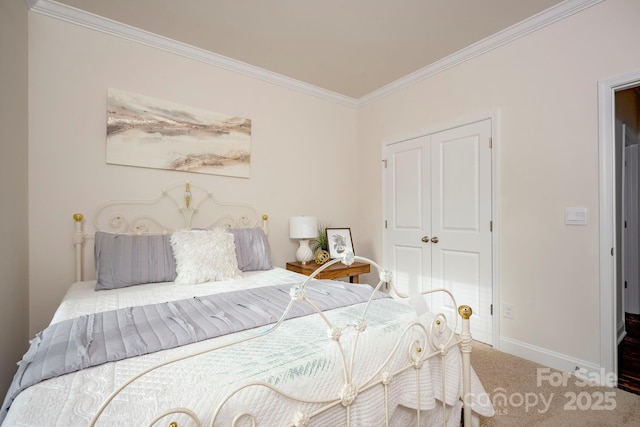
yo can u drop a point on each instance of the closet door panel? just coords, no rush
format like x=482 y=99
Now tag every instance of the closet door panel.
x=458 y=199
x=460 y=276
x=408 y=215
x=460 y=221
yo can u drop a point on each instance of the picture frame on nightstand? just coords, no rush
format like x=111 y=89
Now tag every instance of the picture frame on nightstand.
x=339 y=241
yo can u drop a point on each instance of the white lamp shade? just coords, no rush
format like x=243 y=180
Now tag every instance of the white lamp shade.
x=303 y=227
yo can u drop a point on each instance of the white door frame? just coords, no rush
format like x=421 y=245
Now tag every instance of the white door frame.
x=494 y=116
x=607 y=193
x=623 y=232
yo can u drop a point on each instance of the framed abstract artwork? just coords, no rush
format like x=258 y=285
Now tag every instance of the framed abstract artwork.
x=153 y=133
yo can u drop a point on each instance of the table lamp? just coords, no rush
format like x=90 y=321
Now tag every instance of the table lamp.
x=303 y=228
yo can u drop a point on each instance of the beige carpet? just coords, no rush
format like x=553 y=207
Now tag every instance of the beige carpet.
x=523 y=395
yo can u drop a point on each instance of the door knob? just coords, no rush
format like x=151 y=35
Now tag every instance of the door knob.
x=425 y=239
x=434 y=240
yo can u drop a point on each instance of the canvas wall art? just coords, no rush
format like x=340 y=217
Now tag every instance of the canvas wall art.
x=153 y=133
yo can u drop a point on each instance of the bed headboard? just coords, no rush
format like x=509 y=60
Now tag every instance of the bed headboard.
x=180 y=206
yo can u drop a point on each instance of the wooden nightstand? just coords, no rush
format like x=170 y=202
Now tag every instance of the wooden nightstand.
x=335 y=271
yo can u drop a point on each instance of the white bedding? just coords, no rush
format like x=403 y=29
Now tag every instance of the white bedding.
x=82 y=299
x=297 y=357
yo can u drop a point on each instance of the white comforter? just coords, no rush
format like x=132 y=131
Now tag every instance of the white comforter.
x=297 y=358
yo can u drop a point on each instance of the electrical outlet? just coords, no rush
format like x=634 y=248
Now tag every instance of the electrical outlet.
x=507 y=310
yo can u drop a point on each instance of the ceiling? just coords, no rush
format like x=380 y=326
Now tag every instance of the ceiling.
x=350 y=47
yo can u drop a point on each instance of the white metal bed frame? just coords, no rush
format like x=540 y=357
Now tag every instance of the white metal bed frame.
x=126 y=217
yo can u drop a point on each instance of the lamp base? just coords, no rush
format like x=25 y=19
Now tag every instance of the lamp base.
x=304 y=254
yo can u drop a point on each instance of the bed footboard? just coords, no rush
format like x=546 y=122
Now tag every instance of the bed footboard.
x=416 y=344
x=465 y=347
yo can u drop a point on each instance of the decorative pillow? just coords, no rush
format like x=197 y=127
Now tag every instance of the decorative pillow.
x=204 y=256
x=125 y=260
x=252 y=249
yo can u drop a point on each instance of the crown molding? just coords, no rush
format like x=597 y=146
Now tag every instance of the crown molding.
x=534 y=23
x=70 y=14
x=89 y=20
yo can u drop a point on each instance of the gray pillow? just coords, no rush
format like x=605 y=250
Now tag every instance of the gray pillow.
x=252 y=249
x=125 y=260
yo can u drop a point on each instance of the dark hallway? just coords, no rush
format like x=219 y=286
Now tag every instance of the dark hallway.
x=629 y=356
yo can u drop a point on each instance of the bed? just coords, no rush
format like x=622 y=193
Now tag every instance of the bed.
x=188 y=323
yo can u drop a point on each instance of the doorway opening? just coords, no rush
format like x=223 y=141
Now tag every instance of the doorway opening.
x=612 y=319
x=627 y=136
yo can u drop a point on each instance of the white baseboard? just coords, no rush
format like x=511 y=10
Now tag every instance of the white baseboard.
x=558 y=361
x=621 y=336
x=621 y=331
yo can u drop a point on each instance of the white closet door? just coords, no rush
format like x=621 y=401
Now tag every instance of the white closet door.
x=408 y=215
x=437 y=213
x=461 y=259
x=632 y=249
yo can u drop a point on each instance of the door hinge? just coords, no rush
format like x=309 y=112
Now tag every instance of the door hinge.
x=385 y=224
x=625 y=223
x=491 y=226
x=625 y=284
x=611 y=251
x=492 y=309
x=385 y=163
x=490 y=142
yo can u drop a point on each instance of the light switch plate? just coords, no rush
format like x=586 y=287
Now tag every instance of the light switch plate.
x=576 y=216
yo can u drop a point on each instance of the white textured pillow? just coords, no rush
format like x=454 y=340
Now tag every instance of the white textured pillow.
x=204 y=256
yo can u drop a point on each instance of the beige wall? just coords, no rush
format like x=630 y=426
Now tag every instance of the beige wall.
x=543 y=88
x=303 y=147
x=14 y=189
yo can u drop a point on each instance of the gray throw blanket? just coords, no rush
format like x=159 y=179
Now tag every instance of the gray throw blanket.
x=94 y=339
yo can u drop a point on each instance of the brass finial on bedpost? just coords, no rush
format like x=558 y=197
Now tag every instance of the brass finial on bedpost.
x=465 y=311
x=187 y=194
x=78 y=240
x=465 y=347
